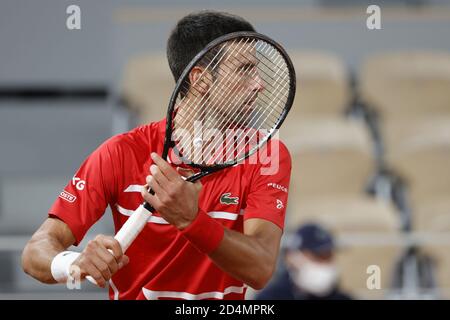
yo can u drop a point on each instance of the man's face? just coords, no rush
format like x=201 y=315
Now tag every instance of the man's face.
x=234 y=91
x=314 y=273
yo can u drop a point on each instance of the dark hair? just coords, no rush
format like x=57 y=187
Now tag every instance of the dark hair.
x=193 y=32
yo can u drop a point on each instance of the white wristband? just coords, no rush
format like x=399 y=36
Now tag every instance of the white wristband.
x=61 y=263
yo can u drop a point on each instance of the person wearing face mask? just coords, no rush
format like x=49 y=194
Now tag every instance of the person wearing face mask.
x=309 y=271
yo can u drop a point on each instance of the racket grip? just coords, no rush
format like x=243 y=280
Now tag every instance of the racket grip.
x=132 y=227
x=130 y=230
x=91 y=280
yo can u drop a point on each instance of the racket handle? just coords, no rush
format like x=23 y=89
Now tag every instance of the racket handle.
x=130 y=230
x=132 y=227
x=91 y=280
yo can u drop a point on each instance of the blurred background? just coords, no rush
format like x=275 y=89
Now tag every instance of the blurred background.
x=369 y=131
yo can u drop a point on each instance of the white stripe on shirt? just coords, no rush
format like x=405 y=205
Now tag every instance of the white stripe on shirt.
x=159 y=220
x=134 y=188
x=153 y=295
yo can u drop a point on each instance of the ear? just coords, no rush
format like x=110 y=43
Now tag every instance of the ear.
x=199 y=80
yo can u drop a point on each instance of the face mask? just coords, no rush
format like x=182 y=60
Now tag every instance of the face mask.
x=315 y=278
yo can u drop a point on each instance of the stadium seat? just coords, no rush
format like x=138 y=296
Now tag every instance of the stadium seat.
x=329 y=155
x=147 y=85
x=322 y=84
x=404 y=83
x=342 y=214
x=356 y=261
x=418 y=148
x=432 y=214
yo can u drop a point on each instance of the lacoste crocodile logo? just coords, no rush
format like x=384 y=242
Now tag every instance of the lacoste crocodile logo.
x=227 y=199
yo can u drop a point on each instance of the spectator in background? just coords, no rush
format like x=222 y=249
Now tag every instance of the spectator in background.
x=309 y=271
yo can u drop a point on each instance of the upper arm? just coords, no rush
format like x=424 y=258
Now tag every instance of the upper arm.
x=268 y=192
x=87 y=195
x=54 y=229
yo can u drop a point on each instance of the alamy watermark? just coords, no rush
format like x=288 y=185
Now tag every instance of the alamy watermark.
x=373 y=281
x=373 y=21
x=74 y=279
x=73 y=21
x=216 y=146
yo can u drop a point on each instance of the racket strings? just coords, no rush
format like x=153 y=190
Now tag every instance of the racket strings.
x=270 y=101
x=245 y=142
x=228 y=122
x=241 y=139
x=206 y=70
x=241 y=134
x=193 y=112
x=195 y=101
x=262 y=94
x=263 y=101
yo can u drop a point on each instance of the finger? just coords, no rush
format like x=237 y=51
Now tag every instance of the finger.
x=146 y=187
x=109 y=259
x=92 y=271
x=151 y=199
x=113 y=245
x=198 y=184
x=101 y=266
x=159 y=181
x=160 y=192
x=165 y=168
x=124 y=261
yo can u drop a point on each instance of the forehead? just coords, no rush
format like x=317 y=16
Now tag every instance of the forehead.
x=240 y=53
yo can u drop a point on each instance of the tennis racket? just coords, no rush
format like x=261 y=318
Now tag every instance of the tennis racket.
x=227 y=104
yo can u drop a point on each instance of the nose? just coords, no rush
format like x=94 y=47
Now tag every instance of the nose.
x=257 y=83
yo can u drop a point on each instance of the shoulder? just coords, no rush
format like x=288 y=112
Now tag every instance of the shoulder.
x=139 y=139
x=277 y=147
x=274 y=150
x=274 y=159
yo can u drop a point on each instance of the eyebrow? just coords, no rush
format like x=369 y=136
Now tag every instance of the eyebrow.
x=246 y=65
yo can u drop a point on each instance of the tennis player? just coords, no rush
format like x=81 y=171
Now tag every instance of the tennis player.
x=207 y=240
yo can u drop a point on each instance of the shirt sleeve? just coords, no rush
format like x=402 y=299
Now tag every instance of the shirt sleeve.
x=268 y=194
x=86 y=196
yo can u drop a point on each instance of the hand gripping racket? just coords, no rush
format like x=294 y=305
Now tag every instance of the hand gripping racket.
x=227 y=104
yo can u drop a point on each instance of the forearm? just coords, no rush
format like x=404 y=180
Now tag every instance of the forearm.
x=38 y=255
x=245 y=258
x=50 y=239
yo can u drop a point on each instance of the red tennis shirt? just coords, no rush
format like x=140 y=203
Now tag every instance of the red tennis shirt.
x=164 y=264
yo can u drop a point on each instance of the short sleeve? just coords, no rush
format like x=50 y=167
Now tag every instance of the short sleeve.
x=86 y=196
x=268 y=194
